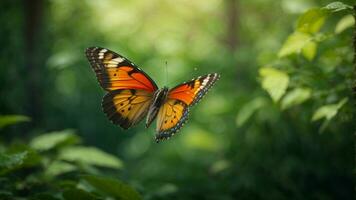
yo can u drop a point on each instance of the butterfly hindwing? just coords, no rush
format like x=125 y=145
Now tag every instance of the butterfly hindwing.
x=171 y=117
x=174 y=112
x=115 y=72
x=126 y=107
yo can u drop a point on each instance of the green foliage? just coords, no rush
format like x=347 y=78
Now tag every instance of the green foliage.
x=112 y=187
x=279 y=124
x=307 y=36
x=296 y=97
x=311 y=21
x=6 y=120
x=346 y=22
x=55 y=159
x=274 y=81
x=337 y=6
x=12 y=161
x=52 y=140
x=96 y=157
x=294 y=44
x=328 y=111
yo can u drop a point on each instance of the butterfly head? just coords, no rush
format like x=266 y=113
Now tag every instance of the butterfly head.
x=159 y=98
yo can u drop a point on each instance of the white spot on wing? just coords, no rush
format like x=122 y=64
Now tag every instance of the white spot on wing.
x=101 y=53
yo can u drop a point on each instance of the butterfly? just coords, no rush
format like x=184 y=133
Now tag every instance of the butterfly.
x=132 y=94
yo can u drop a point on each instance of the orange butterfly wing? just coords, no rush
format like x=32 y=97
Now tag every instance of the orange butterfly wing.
x=130 y=90
x=174 y=112
x=126 y=107
x=114 y=71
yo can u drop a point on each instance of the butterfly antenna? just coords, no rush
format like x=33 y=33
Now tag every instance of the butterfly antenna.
x=166 y=78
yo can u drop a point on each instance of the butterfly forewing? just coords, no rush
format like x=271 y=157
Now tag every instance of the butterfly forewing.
x=114 y=71
x=192 y=91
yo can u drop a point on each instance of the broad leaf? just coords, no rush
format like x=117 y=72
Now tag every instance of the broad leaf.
x=337 y=6
x=294 y=44
x=328 y=111
x=51 y=140
x=274 y=81
x=91 y=156
x=346 y=22
x=112 y=187
x=6 y=120
x=311 y=21
x=296 y=97
x=309 y=50
x=59 y=167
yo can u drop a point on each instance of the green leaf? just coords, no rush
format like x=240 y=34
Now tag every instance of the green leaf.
x=337 y=6
x=91 y=156
x=274 y=81
x=328 y=111
x=346 y=22
x=77 y=194
x=294 y=44
x=59 y=167
x=6 y=120
x=296 y=97
x=54 y=139
x=112 y=187
x=311 y=21
x=309 y=50
x=12 y=161
x=248 y=109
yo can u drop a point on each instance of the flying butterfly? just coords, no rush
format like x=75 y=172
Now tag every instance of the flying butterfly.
x=132 y=94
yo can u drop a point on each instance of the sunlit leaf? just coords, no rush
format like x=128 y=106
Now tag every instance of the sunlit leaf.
x=6 y=120
x=53 y=139
x=77 y=194
x=309 y=50
x=346 y=22
x=337 y=6
x=91 y=156
x=328 y=111
x=274 y=81
x=294 y=44
x=58 y=167
x=248 y=109
x=112 y=187
x=296 y=97
x=311 y=21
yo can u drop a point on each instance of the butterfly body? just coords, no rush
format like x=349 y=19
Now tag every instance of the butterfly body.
x=133 y=95
x=159 y=97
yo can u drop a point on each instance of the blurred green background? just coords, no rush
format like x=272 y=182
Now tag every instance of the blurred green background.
x=277 y=125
